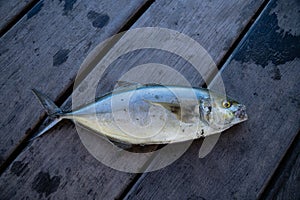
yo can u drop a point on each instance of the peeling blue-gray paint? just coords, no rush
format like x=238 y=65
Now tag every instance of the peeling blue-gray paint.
x=98 y=20
x=44 y=184
x=267 y=42
x=35 y=10
x=60 y=57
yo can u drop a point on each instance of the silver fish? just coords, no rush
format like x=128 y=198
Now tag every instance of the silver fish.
x=152 y=114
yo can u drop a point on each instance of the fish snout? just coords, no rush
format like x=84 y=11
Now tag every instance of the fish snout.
x=241 y=113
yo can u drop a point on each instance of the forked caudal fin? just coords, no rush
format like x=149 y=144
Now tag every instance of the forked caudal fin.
x=47 y=103
x=51 y=109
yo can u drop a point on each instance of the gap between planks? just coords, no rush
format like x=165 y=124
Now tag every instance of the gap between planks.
x=272 y=184
x=240 y=38
x=23 y=144
x=126 y=26
x=223 y=62
x=18 y=17
x=285 y=165
x=67 y=93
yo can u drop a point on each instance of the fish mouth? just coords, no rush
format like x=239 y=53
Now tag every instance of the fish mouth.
x=241 y=113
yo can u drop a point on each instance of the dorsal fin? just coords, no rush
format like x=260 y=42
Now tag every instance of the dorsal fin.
x=125 y=85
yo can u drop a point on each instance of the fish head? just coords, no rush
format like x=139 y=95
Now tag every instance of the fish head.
x=221 y=112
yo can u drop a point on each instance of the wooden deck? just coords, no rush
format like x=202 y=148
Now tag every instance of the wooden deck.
x=256 y=46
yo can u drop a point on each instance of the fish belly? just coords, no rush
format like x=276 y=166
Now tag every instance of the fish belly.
x=128 y=118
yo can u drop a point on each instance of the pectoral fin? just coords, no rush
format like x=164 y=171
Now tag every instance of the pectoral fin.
x=185 y=112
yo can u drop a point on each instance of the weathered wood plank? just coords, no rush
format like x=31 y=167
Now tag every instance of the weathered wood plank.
x=285 y=183
x=10 y=10
x=290 y=188
x=214 y=30
x=45 y=50
x=44 y=171
x=264 y=74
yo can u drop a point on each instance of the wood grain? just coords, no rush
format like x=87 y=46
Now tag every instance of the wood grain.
x=290 y=188
x=44 y=51
x=262 y=73
x=285 y=182
x=10 y=10
x=45 y=172
x=58 y=162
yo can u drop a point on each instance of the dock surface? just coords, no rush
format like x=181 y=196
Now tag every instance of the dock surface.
x=255 y=45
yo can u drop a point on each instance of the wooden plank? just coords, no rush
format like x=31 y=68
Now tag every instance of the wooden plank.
x=208 y=28
x=263 y=73
x=43 y=53
x=44 y=171
x=286 y=181
x=11 y=10
x=290 y=188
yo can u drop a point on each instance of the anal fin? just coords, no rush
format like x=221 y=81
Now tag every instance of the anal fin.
x=208 y=144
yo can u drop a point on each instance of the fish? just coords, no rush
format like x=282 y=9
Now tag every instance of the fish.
x=146 y=114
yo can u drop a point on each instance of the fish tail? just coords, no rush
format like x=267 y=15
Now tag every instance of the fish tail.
x=47 y=128
x=50 y=107
x=52 y=110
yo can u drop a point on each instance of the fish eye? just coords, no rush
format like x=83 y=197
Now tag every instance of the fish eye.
x=226 y=104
